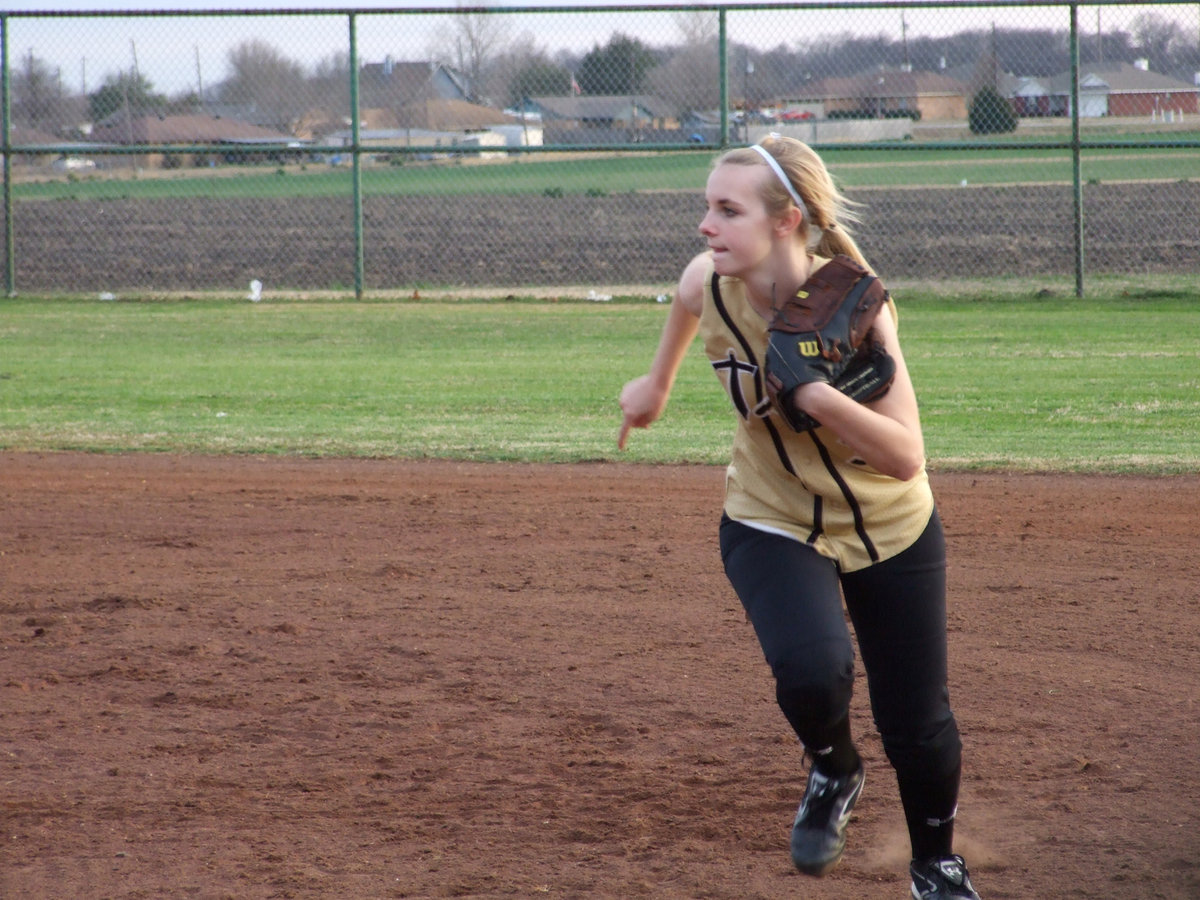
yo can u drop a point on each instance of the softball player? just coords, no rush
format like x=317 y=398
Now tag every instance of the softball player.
x=811 y=519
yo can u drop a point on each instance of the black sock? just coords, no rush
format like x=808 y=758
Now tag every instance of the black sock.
x=929 y=812
x=838 y=757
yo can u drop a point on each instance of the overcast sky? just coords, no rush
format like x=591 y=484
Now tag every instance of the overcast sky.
x=177 y=53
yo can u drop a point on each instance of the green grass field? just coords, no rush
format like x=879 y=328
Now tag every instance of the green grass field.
x=1106 y=384
x=633 y=172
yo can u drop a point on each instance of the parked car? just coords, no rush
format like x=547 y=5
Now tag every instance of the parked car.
x=72 y=164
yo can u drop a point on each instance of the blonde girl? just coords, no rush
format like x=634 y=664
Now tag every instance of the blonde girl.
x=839 y=514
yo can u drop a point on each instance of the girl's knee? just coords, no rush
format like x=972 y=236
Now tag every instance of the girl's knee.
x=815 y=683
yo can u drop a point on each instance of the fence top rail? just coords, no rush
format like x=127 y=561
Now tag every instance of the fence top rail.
x=592 y=8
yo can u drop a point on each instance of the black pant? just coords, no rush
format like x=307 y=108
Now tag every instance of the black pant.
x=793 y=597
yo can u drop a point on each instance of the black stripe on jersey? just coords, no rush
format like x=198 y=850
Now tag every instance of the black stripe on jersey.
x=860 y=526
x=818 y=517
x=776 y=439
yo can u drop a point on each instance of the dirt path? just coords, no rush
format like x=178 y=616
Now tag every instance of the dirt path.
x=264 y=678
x=130 y=247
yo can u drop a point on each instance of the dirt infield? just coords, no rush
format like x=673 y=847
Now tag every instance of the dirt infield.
x=253 y=678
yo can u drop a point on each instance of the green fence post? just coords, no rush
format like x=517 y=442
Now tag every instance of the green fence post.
x=1076 y=163
x=723 y=77
x=10 y=253
x=356 y=156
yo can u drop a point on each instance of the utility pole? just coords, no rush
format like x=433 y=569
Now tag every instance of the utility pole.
x=746 y=83
x=199 y=81
x=995 y=62
x=632 y=99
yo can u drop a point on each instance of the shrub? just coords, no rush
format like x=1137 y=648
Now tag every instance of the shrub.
x=991 y=114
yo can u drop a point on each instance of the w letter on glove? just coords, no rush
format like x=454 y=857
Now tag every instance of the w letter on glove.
x=820 y=334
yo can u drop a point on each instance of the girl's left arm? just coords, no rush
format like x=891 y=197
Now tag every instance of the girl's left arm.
x=885 y=433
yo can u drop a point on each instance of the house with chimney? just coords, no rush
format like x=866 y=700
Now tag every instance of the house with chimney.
x=393 y=85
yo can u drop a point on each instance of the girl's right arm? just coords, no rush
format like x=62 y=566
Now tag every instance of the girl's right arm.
x=644 y=398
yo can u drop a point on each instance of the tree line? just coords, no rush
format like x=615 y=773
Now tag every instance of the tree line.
x=500 y=69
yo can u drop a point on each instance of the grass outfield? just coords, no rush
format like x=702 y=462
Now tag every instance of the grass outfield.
x=586 y=174
x=1110 y=384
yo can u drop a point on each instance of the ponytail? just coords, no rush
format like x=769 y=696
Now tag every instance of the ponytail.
x=833 y=240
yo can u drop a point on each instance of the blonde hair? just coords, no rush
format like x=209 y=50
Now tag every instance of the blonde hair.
x=825 y=209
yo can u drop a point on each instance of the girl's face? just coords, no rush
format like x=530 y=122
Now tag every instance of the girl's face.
x=736 y=226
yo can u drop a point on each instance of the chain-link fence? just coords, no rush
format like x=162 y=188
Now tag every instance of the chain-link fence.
x=561 y=147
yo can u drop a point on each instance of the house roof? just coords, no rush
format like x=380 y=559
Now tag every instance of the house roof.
x=1027 y=87
x=882 y=83
x=1118 y=78
x=411 y=81
x=318 y=122
x=32 y=136
x=407 y=79
x=450 y=115
x=603 y=106
x=1007 y=83
x=183 y=130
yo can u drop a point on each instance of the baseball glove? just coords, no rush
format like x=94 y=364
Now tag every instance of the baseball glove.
x=868 y=376
x=823 y=334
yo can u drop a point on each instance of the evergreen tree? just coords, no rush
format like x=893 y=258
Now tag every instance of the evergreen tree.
x=990 y=113
x=539 y=79
x=617 y=68
x=126 y=92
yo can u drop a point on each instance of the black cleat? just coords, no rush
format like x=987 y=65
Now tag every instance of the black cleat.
x=941 y=879
x=819 y=832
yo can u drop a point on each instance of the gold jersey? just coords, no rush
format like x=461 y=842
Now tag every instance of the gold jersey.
x=808 y=486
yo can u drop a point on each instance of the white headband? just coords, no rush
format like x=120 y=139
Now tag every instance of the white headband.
x=787 y=182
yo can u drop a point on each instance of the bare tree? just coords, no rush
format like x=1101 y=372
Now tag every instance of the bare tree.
x=471 y=45
x=329 y=86
x=698 y=27
x=38 y=98
x=525 y=69
x=1158 y=39
x=690 y=79
x=265 y=81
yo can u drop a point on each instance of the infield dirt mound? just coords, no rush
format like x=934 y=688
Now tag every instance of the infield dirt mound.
x=254 y=678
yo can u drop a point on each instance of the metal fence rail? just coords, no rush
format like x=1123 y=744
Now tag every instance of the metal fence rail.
x=509 y=147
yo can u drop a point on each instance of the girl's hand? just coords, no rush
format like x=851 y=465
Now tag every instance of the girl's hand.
x=642 y=402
